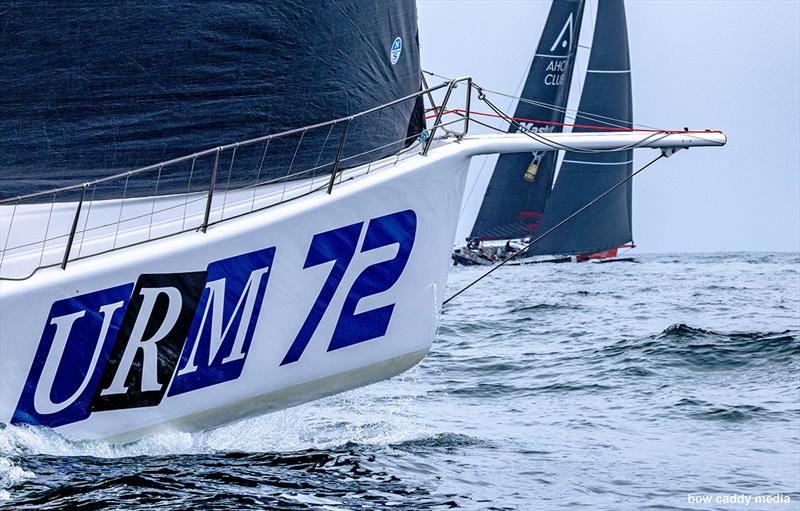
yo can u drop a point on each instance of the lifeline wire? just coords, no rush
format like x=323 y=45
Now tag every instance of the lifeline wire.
x=570 y=217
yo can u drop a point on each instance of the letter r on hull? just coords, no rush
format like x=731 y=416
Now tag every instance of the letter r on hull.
x=151 y=337
x=149 y=379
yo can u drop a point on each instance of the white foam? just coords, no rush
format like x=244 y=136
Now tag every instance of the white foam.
x=380 y=414
x=11 y=474
x=384 y=413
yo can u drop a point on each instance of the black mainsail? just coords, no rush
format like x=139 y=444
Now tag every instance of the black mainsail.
x=93 y=88
x=520 y=184
x=606 y=95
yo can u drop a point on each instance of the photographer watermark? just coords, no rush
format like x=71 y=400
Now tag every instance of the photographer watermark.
x=740 y=499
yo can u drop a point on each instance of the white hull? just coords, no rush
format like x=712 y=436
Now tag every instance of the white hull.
x=431 y=187
x=136 y=340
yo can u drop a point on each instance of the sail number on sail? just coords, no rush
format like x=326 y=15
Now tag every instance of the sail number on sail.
x=170 y=333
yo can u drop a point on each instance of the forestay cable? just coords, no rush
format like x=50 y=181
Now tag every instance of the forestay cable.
x=569 y=112
x=561 y=146
x=570 y=217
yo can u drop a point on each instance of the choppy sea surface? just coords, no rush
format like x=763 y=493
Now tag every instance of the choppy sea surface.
x=596 y=386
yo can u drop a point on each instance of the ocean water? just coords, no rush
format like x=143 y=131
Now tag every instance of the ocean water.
x=595 y=386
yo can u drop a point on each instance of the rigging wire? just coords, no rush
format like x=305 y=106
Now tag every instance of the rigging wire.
x=546 y=233
x=461 y=112
x=575 y=113
x=569 y=112
x=560 y=146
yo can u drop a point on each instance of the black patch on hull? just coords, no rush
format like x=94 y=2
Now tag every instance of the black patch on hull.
x=139 y=388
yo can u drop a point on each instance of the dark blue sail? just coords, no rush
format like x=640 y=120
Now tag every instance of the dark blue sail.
x=583 y=176
x=95 y=87
x=521 y=183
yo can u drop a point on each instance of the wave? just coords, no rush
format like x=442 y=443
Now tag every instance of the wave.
x=571 y=387
x=543 y=307
x=684 y=345
x=378 y=415
x=441 y=441
x=333 y=477
x=11 y=475
x=703 y=410
x=484 y=390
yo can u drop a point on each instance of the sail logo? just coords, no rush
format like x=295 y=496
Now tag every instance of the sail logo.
x=557 y=66
x=565 y=37
x=397 y=48
x=531 y=127
x=555 y=72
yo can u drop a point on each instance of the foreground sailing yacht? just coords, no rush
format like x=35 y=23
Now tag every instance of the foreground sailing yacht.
x=601 y=230
x=249 y=276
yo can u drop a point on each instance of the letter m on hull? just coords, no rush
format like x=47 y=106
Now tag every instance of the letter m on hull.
x=225 y=321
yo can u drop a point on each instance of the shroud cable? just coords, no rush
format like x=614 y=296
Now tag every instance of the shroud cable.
x=559 y=224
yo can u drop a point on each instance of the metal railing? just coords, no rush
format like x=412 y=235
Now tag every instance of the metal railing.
x=133 y=188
